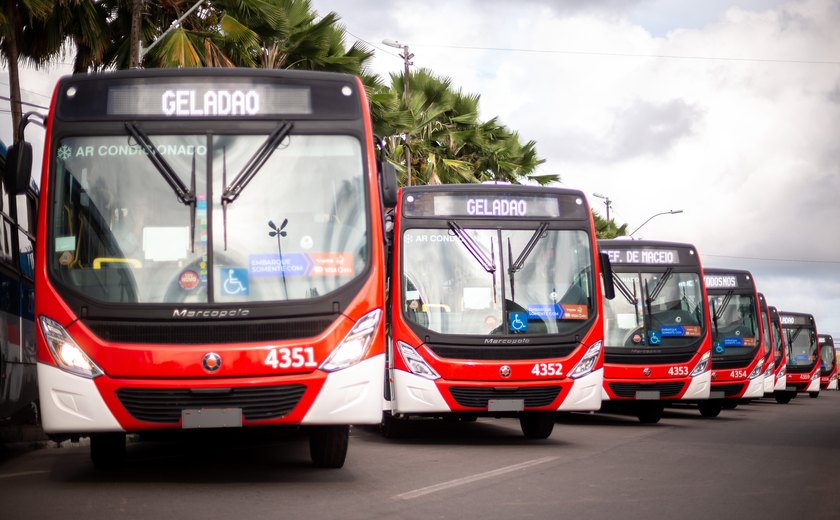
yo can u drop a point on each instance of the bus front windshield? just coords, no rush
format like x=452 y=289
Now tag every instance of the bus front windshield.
x=484 y=282
x=801 y=346
x=777 y=342
x=826 y=358
x=655 y=309
x=734 y=323
x=122 y=232
x=765 y=332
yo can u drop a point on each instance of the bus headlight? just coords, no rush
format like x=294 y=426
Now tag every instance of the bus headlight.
x=816 y=375
x=782 y=371
x=702 y=365
x=355 y=344
x=415 y=362
x=585 y=365
x=770 y=366
x=758 y=370
x=68 y=355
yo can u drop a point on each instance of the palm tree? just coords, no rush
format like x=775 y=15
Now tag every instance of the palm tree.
x=607 y=228
x=14 y=18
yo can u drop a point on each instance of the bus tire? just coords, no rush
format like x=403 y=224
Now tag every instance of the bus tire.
x=783 y=397
x=651 y=414
x=391 y=427
x=813 y=395
x=328 y=445
x=710 y=408
x=107 y=450
x=730 y=404
x=536 y=425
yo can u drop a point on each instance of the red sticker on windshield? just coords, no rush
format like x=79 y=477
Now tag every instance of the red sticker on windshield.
x=188 y=280
x=332 y=264
x=575 y=312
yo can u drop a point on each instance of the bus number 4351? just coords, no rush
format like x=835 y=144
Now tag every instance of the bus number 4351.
x=294 y=357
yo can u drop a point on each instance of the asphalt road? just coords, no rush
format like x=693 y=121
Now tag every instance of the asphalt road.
x=759 y=461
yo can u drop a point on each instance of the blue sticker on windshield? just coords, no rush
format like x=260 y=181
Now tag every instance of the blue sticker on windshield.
x=542 y=312
x=653 y=338
x=672 y=331
x=733 y=342
x=719 y=348
x=292 y=264
x=518 y=321
x=234 y=281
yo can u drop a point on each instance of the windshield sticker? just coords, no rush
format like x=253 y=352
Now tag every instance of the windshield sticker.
x=332 y=264
x=301 y=264
x=637 y=338
x=188 y=280
x=542 y=312
x=518 y=321
x=66 y=258
x=675 y=331
x=433 y=238
x=166 y=244
x=65 y=152
x=737 y=341
x=719 y=348
x=478 y=298
x=234 y=281
x=65 y=244
x=306 y=242
x=575 y=312
x=654 y=338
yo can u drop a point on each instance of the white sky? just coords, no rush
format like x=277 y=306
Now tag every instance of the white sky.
x=727 y=110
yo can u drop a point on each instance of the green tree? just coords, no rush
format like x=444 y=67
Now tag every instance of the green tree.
x=16 y=17
x=608 y=228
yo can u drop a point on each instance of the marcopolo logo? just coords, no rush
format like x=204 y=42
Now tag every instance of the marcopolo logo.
x=210 y=313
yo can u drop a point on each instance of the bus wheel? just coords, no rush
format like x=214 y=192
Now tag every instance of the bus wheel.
x=783 y=397
x=730 y=404
x=650 y=414
x=536 y=425
x=710 y=408
x=107 y=450
x=328 y=445
x=814 y=395
x=391 y=427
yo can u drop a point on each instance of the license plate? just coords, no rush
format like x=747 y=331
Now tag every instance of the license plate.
x=716 y=395
x=505 y=405
x=791 y=389
x=647 y=395
x=211 y=418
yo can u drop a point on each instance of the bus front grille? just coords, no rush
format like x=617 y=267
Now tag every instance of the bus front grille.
x=158 y=405
x=730 y=390
x=209 y=332
x=477 y=397
x=630 y=389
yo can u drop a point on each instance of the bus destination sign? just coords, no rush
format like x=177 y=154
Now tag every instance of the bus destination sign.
x=796 y=320
x=502 y=205
x=715 y=281
x=644 y=256
x=207 y=100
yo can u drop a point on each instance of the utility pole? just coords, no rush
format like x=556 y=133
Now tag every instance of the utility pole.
x=140 y=51
x=135 y=58
x=607 y=203
x=406 y=56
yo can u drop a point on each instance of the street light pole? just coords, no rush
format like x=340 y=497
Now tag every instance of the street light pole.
x=607 y=203
x=406 y=56
x=671 y=212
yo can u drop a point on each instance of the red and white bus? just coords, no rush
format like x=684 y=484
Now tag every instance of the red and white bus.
x=496 y=305
x=211 y=255
x=657 y=338
x=803 y=353
x=779 y=356
x=828 y=363
x=737 y=352
x=767 y=345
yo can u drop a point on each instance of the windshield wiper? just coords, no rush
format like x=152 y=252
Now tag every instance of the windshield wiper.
x=629 y=295
x=659 y=285
x=257 y=161
x=184 y=194
x=520 y=260
x=488 y=264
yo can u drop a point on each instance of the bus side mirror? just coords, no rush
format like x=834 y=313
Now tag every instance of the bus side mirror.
x=607 y=274
x=388 y=184
x=18 y=167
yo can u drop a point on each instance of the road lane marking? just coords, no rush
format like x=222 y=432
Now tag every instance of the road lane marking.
x=22 y=473
x=472 y=478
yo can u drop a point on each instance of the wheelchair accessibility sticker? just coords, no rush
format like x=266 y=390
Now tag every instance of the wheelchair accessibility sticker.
x=518 y=321
x=234 y=281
